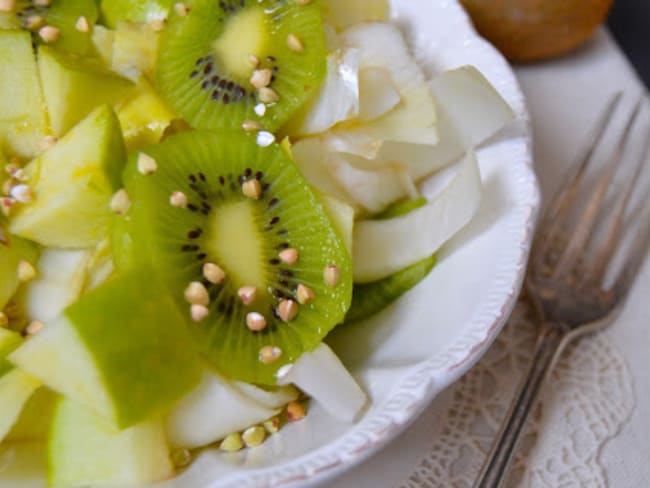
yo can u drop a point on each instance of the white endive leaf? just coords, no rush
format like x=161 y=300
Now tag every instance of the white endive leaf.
x=271 y=398
x=470 y=111
x=354 y=143
x=383 y=247
x=413 y=120
x=311 y=156
x=337 y=99
x=344 y=13
x=472 y=104
x=377 y=94
x=321 y=375
x=374 y=189
x=211 y=411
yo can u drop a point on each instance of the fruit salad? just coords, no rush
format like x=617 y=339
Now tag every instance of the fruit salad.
x=194 y=194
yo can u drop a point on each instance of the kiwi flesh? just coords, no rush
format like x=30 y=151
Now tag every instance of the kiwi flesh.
x=245 y=237
x=207 y=59
x=61 y=14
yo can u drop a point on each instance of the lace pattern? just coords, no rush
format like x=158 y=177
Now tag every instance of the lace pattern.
x=586 y=402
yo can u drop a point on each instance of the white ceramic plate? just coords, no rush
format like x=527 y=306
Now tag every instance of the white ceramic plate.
x=408 y=353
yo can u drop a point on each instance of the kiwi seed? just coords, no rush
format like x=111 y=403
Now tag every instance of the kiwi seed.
x=199 y=312
x=82 y=24
x=178 y=199
x=304 y=294
x=197 y=294
x=270 y=354
x=213 y=273
x=331 y=275
x=248 y=294
x=49 y=34
x=255 y=321
x=287 y=310
x=289 y=256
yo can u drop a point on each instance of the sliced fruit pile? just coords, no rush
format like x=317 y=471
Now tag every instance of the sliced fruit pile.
x=169 y=267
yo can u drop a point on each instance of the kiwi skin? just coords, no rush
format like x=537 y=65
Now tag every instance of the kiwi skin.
x=210 y=168
x=197 y=83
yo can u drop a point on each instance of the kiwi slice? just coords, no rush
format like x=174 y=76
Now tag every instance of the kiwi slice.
x=63 y=16
x=221 y=59
x=219 y=199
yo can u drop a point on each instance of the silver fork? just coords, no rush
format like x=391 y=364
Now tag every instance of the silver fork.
x=576 y=245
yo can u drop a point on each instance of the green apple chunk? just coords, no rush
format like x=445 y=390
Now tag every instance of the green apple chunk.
x=87 y=450
x=34 y=421
x=22 y=115
x=24 y=464
x=143 y=117
x=16 y=387
x=11 y=253
x=146 y=11
x=73 y=183
x=74 y=86
x=135 y=49
x=123 y=349
x=103 y=39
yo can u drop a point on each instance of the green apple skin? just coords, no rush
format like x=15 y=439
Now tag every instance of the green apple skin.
x=87 y=450
x=26 y=466
x=23 y=122
x=123 y=350
x=73 y=87
x=35 y=419
x=16 y=387
x=73 y=183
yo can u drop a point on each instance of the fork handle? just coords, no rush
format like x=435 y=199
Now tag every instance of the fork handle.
x=549 y=345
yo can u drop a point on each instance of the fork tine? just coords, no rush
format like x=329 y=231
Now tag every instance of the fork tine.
x=565 y=196
x=592 y=211
x=614 y=231
x=636 y=255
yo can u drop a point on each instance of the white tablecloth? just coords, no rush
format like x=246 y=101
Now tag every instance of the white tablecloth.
x=593 y=427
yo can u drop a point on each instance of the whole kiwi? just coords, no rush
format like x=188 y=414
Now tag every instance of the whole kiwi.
x=531 y=30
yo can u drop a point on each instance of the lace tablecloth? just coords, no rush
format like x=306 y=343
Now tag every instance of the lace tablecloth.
x=592 y=426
